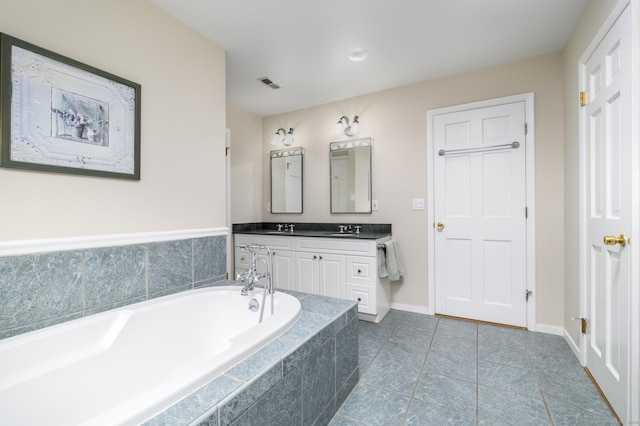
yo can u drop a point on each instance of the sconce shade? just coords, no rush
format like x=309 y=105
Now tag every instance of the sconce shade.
x=286 y=138
x=351 y=129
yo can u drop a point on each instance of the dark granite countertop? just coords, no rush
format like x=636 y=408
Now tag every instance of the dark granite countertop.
x=322 y=230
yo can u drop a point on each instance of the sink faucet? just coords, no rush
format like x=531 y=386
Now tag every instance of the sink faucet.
x=342 y=228
x=279 y=227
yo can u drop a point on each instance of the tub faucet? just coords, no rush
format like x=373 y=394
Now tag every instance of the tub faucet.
x=253 y=277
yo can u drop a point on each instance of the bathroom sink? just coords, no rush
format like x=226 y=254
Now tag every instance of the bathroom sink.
x=342 y=235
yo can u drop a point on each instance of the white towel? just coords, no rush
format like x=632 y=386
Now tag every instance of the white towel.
x=393 y=262
x=382 y=262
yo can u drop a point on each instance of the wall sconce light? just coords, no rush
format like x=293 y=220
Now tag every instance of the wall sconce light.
x=286 y=138
x=349 y=130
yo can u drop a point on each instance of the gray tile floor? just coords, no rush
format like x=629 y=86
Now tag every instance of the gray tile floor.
x=424 y=370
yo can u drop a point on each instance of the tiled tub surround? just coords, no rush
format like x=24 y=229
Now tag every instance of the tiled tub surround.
x=39 y=290
x=300 y=378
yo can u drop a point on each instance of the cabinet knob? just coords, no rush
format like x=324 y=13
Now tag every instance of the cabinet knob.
x=359 y=271
x=320 y=257
x=359 y=299
x=315 y=257
x=273 y=253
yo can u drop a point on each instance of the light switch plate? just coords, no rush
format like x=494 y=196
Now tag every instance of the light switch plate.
x=418 y=203
x=374 y=205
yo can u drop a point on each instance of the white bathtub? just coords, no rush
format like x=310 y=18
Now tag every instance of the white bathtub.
x=126 y=365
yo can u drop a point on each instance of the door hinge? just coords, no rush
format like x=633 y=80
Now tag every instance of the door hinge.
x=584 y=99
x=526 y=212
x=226 y=151
x=583 y=324
x=527 y=295
x=526 y=128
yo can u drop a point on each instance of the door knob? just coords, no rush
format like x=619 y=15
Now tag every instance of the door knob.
x=610 y=240
x=440 y=226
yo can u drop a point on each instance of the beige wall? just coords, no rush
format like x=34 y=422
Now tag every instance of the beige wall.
x=183 y=123
x=396 y=120
x=590 y=22
x=246 y=165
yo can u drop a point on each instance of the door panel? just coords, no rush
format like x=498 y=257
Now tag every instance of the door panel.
x=480 y=254
x=608 y=174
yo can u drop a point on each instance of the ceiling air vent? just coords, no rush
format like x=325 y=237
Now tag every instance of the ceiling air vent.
x=268 y=82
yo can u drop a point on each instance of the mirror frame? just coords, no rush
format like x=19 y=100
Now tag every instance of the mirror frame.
x=351 y=144
x=283 y=153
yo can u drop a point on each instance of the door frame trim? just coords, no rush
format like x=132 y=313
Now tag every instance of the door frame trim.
x=633 y=391
x=528 y=99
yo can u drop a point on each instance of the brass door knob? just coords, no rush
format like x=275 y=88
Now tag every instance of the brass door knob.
x=610 y=240
x=440 y=226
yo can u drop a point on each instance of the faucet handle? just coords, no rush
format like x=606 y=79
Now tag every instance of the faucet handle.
x=291 y=226
x=279 y=227
x=358 y=228
x=342 y=228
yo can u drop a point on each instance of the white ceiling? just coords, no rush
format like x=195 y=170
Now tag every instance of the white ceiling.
x=302 y=45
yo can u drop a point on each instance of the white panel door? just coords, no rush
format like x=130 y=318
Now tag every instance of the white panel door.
x=332 y=274
x=607 y=124
x=479 y=203
x=307 y=267
x=284 y=269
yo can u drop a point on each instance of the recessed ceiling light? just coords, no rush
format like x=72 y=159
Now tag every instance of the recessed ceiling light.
x=357 y=55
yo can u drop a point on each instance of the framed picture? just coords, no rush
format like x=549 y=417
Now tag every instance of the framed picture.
x=60 y=115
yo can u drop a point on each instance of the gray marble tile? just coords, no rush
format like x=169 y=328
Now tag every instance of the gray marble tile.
x=459 y=366
x=364 y=362
x=402 y=354
x=419 y=340
x=209 y=257
x=114 y=274
x=504 y=336
x=170 y=265
x=422 y=414
x=510 y=409
x=281 y=405
x=569 y=415
x=318 y=381
x=444 y=391
x=370 y=346
x=327 y=414
x=327 y=306
x=389 y=409
x=343 y=392
x=39 y=287
x=210 y=420
x=513 y=356
x=579 y=393
x=561 y=367
x=347 y=355
x=238 y=402
x=458 y=328
x=375 y=331
x=391 y=376
x=511 y=379
x=417 y=322
x=343 y=421
x=115 y=305
x=445 y=344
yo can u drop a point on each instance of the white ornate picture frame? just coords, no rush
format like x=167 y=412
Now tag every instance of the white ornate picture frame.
x=60 y=115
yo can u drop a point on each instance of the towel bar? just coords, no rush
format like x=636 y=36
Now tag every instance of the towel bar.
x=381 y=246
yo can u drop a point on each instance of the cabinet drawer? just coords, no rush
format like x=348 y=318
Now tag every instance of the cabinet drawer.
x=361 y=270
x=365 y=296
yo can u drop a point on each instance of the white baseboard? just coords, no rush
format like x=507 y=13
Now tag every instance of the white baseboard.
x=411 y=308
x=550 y=329
x=14 y=248
x=574 y=347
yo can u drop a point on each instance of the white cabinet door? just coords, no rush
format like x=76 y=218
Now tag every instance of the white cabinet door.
x=284 y=269
x=321 y=273
x=307 y=267
x=332 y=273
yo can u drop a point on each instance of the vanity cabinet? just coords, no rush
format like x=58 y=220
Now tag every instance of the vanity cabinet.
x=336 y=267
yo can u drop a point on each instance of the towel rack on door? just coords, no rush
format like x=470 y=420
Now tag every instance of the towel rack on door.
x=513 y=145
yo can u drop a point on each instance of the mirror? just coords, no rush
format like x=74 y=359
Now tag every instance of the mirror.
x=350 y=163
x=286 y=181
